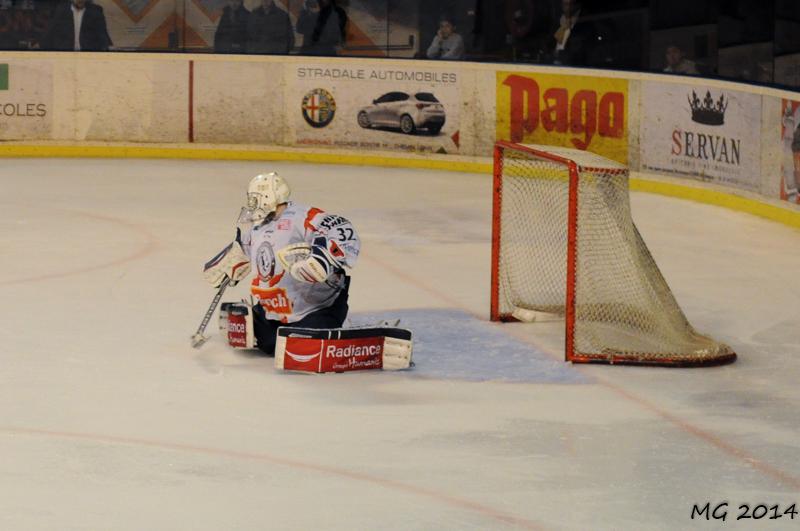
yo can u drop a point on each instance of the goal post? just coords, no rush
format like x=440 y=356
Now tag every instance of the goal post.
x=564 y=243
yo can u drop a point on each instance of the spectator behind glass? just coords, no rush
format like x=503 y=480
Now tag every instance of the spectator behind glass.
x=447 y=44
x=677 y=64
x=573 y=37
x=269 y=30
x=231 y=34
x=23 y=25
x=796 y=166
x=79 y=26
x=322 y=24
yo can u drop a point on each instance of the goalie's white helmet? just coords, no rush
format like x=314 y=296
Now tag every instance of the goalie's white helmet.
x=264 y=193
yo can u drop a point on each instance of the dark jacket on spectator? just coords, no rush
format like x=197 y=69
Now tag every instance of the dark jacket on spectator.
x=269 y=31
x=61 y=31
x=231 y=34
x=322 y=32
x=580 y=45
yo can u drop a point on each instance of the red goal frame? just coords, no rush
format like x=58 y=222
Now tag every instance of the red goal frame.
x=570 y=354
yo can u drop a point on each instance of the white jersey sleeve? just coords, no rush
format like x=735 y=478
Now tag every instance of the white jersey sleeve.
x=243 y=237
x=333 y=228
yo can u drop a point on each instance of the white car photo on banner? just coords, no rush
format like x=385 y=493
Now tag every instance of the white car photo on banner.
x=381 y=108
x=407 y=112
x=696 y=130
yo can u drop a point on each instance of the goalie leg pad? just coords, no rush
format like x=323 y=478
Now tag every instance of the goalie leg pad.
x=236 y=325
x=396 y=354
x=342 y=349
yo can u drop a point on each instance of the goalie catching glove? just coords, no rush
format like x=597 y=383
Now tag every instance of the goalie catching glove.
x=312 y=263
x=230 y=263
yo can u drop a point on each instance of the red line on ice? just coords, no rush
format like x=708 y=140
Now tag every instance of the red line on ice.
x=484 y=510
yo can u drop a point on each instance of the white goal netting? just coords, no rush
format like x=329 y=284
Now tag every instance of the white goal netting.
x=546 y=254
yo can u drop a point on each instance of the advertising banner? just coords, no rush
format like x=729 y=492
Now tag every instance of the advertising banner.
x=193 y=25
x=790 y=160
x=149 y=24
x=577 y=112
x=702 y=132
x=376 y=107
x=26 y=100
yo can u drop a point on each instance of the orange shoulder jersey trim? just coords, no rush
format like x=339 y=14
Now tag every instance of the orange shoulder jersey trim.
x=313 y=211
x=277 y=278
x=271 y=282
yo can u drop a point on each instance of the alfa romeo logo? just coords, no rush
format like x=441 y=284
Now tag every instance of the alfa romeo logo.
x=319 y=108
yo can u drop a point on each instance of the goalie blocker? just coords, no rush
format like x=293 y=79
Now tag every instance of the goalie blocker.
x=342 y=349
x=322 y=350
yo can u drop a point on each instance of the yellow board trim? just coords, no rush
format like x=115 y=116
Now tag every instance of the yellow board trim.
x=731 y=201
x=717 y=198
x=142 y=152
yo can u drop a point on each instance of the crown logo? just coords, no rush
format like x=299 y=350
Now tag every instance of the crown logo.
x=708 y=111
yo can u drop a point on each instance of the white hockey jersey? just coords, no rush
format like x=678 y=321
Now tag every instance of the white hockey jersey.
x=282 y=297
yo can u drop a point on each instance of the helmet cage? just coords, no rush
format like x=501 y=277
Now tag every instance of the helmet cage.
x=264 y=194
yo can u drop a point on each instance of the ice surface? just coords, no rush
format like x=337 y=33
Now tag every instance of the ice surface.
x=110 y=420
x=452 y=344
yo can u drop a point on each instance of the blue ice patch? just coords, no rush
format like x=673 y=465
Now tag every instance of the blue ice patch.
x=452 y=344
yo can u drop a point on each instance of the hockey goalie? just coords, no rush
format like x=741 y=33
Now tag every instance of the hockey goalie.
x=299 y=291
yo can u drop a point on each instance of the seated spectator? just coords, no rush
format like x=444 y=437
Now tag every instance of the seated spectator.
x=22 y=25
x=677 y=63
x=78 y=25
x=322 y=24
x=269 y=30
x=792 y=189
x=447 y=44
x=574 y=37
x=231 y=34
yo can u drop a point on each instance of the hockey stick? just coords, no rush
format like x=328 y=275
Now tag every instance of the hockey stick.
x=198 y=338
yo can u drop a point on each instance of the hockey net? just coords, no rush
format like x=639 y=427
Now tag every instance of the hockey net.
x=564 y=243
